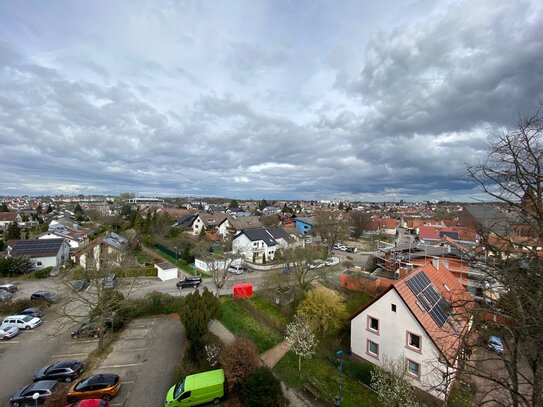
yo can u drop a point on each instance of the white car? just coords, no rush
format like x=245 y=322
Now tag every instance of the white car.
x=342 y=247
x=8 y=332
x=237 y=269
x=331 y=261
x=316 y=264
x=22 y=321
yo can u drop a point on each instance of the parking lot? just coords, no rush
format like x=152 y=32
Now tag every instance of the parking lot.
x=145 y=357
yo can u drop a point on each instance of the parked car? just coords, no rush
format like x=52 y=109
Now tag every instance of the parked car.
x=32 y=311
x=89 y=329
x=189 y=282
x=331 y=261
x=12 y=288
x=336 y=246
x=351 y=249
x=342 y=247
x=22 y=321
x=8 y=332
x=62 y=371
x=90 y=403
x=81 y=285
x=104 y=386
x=44 y=296
x=5 y=295
x=315 y=264
x=110 y=281
x=205 y=387
x=495 y=343
x=236 y=269
x=44 y=388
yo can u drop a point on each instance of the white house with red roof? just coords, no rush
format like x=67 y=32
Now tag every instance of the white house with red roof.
x=420 y=320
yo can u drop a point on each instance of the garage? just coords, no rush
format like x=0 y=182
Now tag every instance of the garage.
x=166 y=271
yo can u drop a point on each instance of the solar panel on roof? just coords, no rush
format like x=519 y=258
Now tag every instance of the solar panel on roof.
x=429 y=297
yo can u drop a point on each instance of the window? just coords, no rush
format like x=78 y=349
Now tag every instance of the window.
x=372 y=349
x=413 y=341
x=38 y=263
x=413 y=368
x=373 y=324
x=393 y=307
x=185 y=395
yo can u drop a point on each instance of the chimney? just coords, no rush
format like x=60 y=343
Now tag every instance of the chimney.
x=409 y=267
x=435 y=262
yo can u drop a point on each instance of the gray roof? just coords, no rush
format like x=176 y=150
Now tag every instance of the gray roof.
x=186 y=221
x=115 y=240
x=279 y=233
x=165 y=265
x=37 y=247
x=491 y=219
x=259 y=234
x=245 y=222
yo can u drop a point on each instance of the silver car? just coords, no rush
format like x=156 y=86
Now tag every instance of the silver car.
x=8 y=332
x=22 y=321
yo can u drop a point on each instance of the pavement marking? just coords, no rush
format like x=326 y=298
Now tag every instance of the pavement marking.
x=134 y=338
x=9 y=341
x=67 y=355
x=127 y=365
x=128 y=382
x=135 y=350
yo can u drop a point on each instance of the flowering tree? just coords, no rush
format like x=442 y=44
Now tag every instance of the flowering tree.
x=301 y=339
x=391 y=385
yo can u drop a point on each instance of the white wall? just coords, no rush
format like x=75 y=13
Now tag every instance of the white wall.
x=392 y=340
x=197 y=226
x=50 y=261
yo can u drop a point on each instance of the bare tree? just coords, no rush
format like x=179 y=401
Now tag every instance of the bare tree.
x=216 y=264
x=359 y=222
x=513 y=175
x=300 y=272
x=332 y=227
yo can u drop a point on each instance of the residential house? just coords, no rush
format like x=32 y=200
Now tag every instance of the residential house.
x=270 y=210
x=105 y=251
x=419 y=321
x=207 y=221
x=231 y=225
x=7 y=218
x=305 y=225
x=186 y=221
x=44 y=253
x=435 y=234
x=261 y=244
x=76 y=237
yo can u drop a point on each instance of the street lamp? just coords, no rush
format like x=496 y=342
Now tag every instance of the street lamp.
x=35 y=397
x=175 y=254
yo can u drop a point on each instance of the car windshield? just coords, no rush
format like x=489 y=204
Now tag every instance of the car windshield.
x=27 y=318
x=179 y=389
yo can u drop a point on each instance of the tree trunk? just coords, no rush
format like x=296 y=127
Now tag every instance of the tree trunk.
x=299 y=363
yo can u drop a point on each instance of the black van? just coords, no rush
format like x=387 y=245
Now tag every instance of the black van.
x=189 y=282
x=110 y=281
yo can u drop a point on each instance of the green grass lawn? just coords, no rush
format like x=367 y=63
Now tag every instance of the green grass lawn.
x=240 y=323
x=269 y=310
x=179 y=263
x=325 y=376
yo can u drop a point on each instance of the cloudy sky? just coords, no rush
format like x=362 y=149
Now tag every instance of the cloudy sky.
x=308 y=99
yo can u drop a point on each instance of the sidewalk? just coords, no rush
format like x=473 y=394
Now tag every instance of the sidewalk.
x=269 y=358
x=272 y=356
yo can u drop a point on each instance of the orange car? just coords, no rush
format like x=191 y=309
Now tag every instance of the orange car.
x=104 y=386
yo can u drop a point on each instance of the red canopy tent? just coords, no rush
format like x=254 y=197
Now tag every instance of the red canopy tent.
x=243 y=290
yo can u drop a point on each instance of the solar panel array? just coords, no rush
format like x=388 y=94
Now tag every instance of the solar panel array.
x=37 y=246
x=437 y=306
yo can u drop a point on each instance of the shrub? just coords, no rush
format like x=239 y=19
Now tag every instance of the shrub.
x=43 y=273
x=262 y=389
x=160 y=303
x=239 y=360
x=14 y=307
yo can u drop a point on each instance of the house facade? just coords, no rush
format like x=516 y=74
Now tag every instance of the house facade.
x=106 y=251
x=231 y=226
x=255 y=245
x=412 y=323
x=304 y=226
x=43 y=253
x=7 y=218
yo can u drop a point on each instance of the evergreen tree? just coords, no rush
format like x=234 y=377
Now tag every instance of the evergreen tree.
x=49 y=208
x=13 y=232
x=4 y=207
x=138 y=223
x=341 y=206
x=234 y=204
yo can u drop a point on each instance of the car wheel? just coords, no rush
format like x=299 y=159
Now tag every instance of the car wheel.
x=15 y=404
x=68 y=379
x=107 y=397
x=27 y=327
x=217 y=401
x=74 y=337
x=195 y=285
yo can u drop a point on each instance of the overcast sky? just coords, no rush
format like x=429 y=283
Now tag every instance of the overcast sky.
x=360 y=99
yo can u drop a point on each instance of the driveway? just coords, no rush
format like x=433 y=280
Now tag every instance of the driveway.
x=146 y=357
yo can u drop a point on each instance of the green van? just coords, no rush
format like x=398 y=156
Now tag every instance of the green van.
x=197 y=389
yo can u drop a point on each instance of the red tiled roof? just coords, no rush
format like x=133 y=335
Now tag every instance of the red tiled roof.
x=8 y=216
x=388 y=223
x=445 y=339
x=433 y=232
